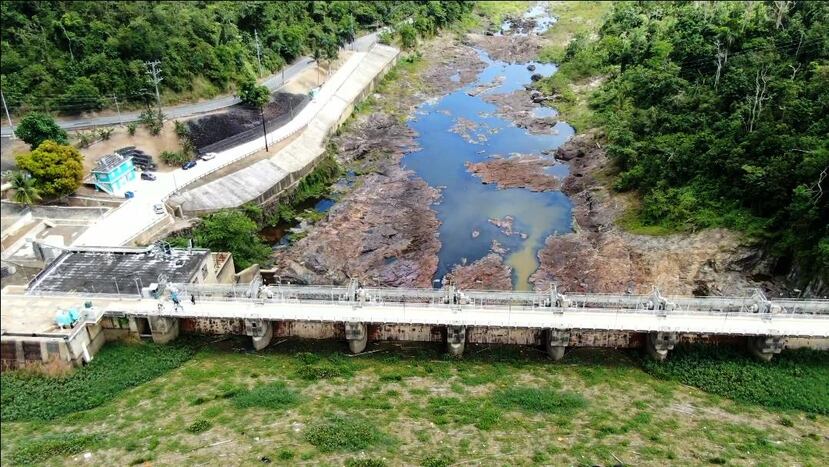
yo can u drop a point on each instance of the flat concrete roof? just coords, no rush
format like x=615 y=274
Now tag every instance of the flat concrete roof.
x=116 y=270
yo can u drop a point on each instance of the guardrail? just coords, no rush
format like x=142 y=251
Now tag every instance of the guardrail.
x=482 y=300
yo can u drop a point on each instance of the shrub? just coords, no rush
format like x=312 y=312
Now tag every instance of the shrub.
x=117 y=367
x=345 y=433
x=35 y=451
x=131 y=127
x=105 y=133
x=199 y=426
x=796 y=379
x=468 y=411
x=85 y=139
x=275 y=396
x=365 y=463
x=539 y=400
x=438 y=460
x=174 y=158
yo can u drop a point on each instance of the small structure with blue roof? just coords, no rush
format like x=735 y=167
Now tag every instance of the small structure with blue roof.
x=113 y=173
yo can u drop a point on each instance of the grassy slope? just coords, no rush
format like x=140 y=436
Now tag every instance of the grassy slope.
x=413 y=405
x=573 y=18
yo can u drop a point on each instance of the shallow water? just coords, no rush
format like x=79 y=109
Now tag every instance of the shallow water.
x=466 y=203
x=538 y=12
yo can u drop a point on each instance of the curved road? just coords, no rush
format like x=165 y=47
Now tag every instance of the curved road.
x=274 y=82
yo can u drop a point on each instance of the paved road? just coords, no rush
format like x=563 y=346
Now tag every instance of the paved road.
x=273 y=83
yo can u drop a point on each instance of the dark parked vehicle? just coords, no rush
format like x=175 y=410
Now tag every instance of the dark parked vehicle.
x=148 y=176
x=188 y=165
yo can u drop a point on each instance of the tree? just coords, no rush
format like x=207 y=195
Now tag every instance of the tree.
x=408 y=36
x=25 y=189
x=37 y=127
x=57 y=169
x=253 y=94
x=233 y=231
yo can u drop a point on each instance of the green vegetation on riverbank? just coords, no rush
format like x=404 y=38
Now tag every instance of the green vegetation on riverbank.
x=408 y=404
x=715 y=116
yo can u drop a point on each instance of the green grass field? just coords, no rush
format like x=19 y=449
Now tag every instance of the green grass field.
x=305 y=402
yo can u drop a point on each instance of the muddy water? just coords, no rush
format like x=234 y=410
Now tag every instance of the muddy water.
x=459 y=128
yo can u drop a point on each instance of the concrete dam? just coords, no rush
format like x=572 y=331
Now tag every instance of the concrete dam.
x=360 y=315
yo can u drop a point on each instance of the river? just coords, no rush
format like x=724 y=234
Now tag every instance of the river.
x=459 y=128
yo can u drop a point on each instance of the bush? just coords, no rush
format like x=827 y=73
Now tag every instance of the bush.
x=105 y=133
x=117 y=367
x=796 y=379
x=345 y=433
x=539 y=400
x=85 y=139
x=174 y=158
x=36 y=451
x=365 y=463
x=131 y=127
x=199 y=426
x=438 y=460
x=468 y=411
x=275 y=396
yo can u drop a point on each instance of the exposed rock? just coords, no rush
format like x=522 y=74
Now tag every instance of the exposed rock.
x=518 y=107
x=531 y=67
x=519 y=171
x=381 y=233
x=510 y=49
x=377 y=135
x=499 y=80
x=488 y=273
x=536 y=77
x=504 y=224
x=599 y=257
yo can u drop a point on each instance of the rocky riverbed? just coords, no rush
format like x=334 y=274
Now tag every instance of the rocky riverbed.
x=383 y=231
x=518 y=171
x=600 y=257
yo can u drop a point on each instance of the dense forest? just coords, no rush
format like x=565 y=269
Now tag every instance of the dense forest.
x=74 y=56
x=717 y=113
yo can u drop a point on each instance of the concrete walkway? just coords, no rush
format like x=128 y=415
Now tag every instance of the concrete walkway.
x=30 y=314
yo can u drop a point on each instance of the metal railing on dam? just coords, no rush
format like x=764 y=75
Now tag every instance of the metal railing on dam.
x=749 y=315
x=361 y=314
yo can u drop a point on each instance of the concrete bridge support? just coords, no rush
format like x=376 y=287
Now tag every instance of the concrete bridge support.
x=357 y=336
x=555 y=342
x=659 y=343
x=164 y=329
x=455 y=340
x=765 y=347
x=260 y=331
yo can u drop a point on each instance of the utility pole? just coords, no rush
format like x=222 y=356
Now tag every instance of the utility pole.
x=153 y=70
x=118 y=108
x=258 y=54
x=264 y=129
x=8 y=117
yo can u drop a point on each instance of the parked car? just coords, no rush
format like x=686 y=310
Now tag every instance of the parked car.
x=148 y=176
x=158 y=208
x=189 y=165
x=208 y=155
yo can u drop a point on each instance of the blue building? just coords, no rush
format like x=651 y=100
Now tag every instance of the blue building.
x=113 y=173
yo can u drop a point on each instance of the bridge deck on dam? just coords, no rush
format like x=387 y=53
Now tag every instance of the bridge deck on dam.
x=636 y=313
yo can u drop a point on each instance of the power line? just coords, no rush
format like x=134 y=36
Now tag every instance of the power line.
x=153 y=70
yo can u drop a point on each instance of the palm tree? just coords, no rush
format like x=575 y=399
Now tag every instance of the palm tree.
x=25 y=188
